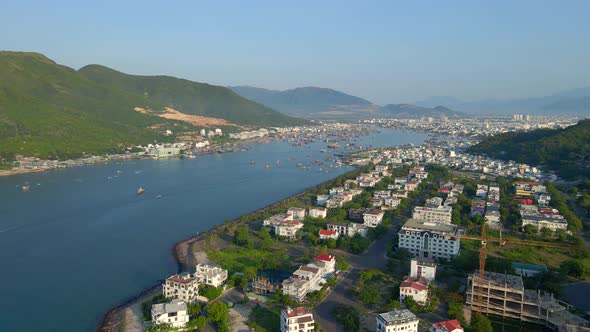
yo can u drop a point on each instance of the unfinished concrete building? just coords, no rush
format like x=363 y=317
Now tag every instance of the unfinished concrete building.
x=504 y=295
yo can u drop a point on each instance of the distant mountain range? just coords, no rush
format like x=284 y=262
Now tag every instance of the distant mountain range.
x=413 y=111
x=574 y=101
x=307 y=101
x=323 y=103
x=52 y=111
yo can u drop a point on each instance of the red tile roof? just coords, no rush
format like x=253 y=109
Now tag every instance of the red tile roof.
x=297 y=312
x=325 y=257
x=448 y=325
x=327 y=232
x=413 y=285
x=180 y=279
x=375 y=212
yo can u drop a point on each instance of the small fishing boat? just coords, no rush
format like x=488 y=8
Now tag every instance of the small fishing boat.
x=140 y=191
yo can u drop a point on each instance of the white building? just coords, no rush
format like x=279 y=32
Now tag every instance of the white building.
x=318 y=212
x=429 y=239
x=297 y=320
x=327 y=262
x=325 y=234
x=174 y=313
x=540 y=221
x=416 y=288
x=482 y=191
x=397 y=320
x=442 y=214
x=423 y=268
x=288 y=228
x=434 y=202
x=297 y=213
x=321 y=200
x=211 y=275
x=373 y=218
x=304 y=280
x=392 y=202
x=181 y=286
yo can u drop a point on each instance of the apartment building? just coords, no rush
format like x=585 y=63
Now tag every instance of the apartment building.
x=429 y=239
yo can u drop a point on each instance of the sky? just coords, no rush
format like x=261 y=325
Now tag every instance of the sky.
x=384 y=51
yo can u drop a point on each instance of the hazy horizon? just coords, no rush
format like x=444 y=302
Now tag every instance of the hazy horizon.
x=382 y=51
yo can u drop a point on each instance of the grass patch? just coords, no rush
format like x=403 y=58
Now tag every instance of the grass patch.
x=264 y=320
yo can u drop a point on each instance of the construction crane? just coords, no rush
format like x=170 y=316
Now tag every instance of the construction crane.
x=482 y=251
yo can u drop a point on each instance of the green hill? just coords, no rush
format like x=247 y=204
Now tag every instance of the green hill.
x=191 y=97
x=52 y=111
x=567 y=151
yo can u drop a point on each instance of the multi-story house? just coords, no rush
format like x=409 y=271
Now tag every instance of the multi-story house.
x=181 y=286
x=318 y=212
x=348 y=229
x=434 y=202
x=373 y=218
x=288 y=228
x=442 y=214
x=326 y=262
x=423 y=268
x=356 y=214
x=416 y=288
x=174 y=313
x=326 y=234
x=297 y=320
x=392 y=202
x=297 y=213
x=397 y=320
x=429 y=239
x=447 y=326
x=211 y=275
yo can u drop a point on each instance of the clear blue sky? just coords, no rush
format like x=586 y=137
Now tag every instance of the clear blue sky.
x=385 y=51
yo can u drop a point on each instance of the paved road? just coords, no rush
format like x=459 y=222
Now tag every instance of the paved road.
x=374 y=258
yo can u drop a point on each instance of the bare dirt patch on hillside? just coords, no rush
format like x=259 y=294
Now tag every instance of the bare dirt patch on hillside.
x=195 y=120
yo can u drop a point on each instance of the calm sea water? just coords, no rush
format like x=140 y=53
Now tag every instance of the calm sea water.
x=80 y=241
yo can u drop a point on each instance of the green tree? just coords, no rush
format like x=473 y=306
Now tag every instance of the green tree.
x=266 y=241
x=242 y=236
x=481 y=323
x=370 y=294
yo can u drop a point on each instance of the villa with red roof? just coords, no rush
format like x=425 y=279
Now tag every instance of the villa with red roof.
x=417 y=288
x=327 y=261
x=447 y=326
x=328 y=234
x=181 y=286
